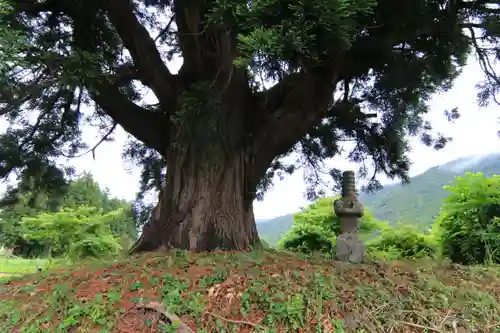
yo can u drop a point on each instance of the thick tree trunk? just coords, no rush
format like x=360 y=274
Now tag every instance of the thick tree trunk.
x=206 y=205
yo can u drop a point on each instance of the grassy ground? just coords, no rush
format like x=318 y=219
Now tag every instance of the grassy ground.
x=19 y=266
x=262 y=291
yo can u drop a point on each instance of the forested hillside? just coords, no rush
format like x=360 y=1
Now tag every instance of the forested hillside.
x=417 y=202
x=271 y=230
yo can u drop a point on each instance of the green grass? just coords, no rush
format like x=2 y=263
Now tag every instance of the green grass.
x=261 y=291
x=14 y=266
x=20 y=265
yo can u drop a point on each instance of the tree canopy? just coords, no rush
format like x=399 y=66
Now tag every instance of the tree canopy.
x=259 y=80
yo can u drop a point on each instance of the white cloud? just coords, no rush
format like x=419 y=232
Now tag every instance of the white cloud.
x=474 y=133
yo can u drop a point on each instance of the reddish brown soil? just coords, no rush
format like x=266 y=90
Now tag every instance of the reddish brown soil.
x=143 y=280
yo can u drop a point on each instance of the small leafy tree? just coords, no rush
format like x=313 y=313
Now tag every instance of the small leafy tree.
x=10 y=219
x=316 y=226
x=402 y=241
x=86 y=191
x=468 y=225
x=83 y=190
x=79 y=233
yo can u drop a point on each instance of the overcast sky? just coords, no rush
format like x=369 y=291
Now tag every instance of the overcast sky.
x=474 y=134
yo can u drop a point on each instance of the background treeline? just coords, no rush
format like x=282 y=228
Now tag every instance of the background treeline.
x=466 y=230
x=83 y=220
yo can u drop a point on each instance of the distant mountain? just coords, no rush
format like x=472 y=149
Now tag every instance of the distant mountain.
x=272 y=230
x=417 y=202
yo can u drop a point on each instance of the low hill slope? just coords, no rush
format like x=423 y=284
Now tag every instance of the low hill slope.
x=272 y=230
x=262 y=291
x=420 y=200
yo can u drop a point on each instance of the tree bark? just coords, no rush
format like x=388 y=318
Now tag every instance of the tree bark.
x=206 y=205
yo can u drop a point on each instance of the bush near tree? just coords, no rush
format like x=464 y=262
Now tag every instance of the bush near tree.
x=468 y=225
x=316 y=227
x=82 y=191
x=467 y=230
x=402 y=241
x=77 y=233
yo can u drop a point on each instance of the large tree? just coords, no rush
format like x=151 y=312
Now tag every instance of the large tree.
x=259 y=80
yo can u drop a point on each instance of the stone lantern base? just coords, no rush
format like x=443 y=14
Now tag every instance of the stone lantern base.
x=350 y=248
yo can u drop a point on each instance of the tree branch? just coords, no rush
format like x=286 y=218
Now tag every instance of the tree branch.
x=124 y=74
x=150 y=67
x=300 y=101
x=94 y=147
x=292 y=107
x=146 y=126
x=166 y=29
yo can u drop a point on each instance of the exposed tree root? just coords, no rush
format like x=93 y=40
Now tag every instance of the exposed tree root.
x=166 y=316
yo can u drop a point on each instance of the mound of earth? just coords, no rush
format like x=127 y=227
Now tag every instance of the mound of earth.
x=261 y=291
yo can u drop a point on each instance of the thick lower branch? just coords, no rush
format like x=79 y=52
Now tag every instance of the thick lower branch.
x=149 y=127
x=146 y=126
x=152 y=70
x=294 y=106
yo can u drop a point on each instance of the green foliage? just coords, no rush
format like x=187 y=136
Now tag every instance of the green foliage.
x=316 y=226
x=322 y=27
x=10 y=218
x=81 y=191
x=11 y=43
x=79 y=233
x=468 y=225
x=419 y=201
x=308 y=239
x=402 y=241
x=86 y=191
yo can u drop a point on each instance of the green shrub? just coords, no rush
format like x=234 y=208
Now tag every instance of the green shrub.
x=316 y=227
x=94 y=247
x=82 y=191
x=308 y=239
x=403 y=241
x=79 y=233
x=468 y=226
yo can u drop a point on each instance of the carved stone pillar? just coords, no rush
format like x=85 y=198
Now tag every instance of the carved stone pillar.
x=349 y=246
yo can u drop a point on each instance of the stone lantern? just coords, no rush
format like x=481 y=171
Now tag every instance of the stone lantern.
x=349 y=209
